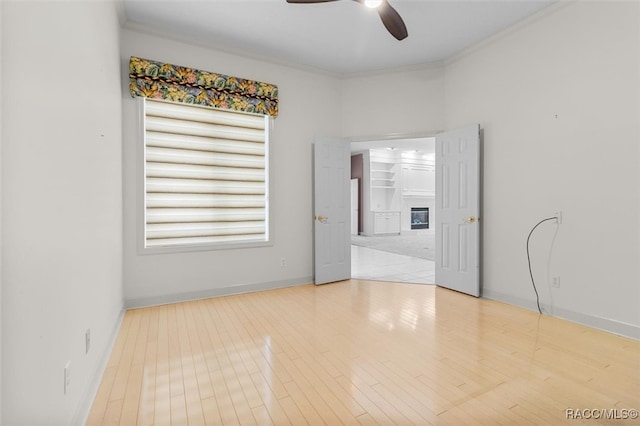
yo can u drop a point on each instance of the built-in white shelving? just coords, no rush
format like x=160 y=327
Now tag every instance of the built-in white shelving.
x=384 y=208
x=393 y=182
x=383 y=170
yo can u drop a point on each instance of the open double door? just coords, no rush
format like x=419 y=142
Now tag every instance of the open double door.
x=457 y=210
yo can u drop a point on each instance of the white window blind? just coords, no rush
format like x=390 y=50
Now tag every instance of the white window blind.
x=206 y=178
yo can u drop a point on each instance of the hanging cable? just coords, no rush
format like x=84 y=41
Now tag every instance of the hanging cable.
x=529 y=259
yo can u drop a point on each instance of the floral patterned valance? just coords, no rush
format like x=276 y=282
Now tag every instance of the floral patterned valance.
x=157 y=80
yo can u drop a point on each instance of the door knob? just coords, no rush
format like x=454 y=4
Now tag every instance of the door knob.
x=321 y=219
x=470 y=219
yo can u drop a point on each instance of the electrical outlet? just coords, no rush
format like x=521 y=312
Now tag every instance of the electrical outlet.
x=67 y=377
x=283 y=262
x=555 y=282
x=558 y=216
x=87 y=341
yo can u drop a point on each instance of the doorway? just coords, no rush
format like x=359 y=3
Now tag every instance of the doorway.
x=395 y=237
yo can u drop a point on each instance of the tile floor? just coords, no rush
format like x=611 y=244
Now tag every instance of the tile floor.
x=371 y=264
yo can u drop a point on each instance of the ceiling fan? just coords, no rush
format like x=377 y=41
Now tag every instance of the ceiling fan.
x=389 y=16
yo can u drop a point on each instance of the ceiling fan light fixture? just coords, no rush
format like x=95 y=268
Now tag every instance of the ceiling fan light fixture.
x=372 y=3
x=390 y=17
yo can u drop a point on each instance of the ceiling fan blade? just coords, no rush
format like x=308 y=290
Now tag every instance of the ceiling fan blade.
x=392 y=20
x=389 y=16
x=309 y=1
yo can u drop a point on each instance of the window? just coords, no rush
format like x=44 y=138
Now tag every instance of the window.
x=206 y=177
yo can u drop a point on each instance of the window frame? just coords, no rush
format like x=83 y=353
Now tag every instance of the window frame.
x=141 y=198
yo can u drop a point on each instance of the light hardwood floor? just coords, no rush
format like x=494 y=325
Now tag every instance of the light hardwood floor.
x=362 y=352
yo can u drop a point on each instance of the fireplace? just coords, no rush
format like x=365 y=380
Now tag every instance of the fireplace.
x=419 y=217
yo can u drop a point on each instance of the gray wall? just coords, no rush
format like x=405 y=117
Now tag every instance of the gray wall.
x=558 y=101
x=578 y=61
x=403 y=102
x=307 y=108
x=66 y=267
x=61 y=204
x=1 y=241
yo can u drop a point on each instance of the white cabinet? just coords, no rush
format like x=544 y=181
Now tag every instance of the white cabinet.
x=418 y=181
x=386 y=222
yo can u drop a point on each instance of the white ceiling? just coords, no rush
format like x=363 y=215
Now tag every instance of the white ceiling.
x=341 y=37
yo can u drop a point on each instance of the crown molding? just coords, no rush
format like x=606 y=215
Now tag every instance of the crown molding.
x=221 y=47
x=549 y=10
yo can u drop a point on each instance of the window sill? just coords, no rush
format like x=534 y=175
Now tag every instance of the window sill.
x=190 y=248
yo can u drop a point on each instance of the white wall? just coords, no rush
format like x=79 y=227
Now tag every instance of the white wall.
x=558 y=102
x=308 y=107
x=409 y=102
x=579 y=62
x=62 y=264
x=61 y=207
x=1 y=56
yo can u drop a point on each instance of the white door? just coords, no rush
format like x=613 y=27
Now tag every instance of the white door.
x=331 y=177
x=354 y=207
x=458 y=209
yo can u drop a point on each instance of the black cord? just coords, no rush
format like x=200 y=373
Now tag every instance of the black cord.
x=529 y=259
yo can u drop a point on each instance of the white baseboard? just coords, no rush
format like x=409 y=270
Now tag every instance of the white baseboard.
x=612 y=326
x=214 y=292
x=82 y=413
x=91 y=389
